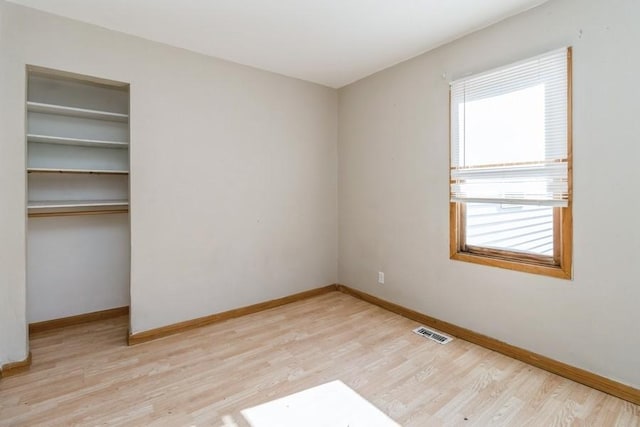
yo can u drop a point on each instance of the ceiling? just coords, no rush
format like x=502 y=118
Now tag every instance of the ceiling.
x=330 y=42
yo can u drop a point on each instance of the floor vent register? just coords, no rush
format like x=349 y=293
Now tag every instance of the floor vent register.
x=433 y=335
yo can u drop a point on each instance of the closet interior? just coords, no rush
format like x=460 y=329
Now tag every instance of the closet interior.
x=78 y=238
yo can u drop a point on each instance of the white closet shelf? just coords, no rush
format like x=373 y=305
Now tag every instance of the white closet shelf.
x=88 y=171
x=69 y=204
x=47 y=139
x=48 y=208
x=38 y=107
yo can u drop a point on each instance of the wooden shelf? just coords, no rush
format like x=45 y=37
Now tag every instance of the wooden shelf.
x=85 y=171
x=68 y=204
x=38 y=107
x=48 y=208
x=46 y=139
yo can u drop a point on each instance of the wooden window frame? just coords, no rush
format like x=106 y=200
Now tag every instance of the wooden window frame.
x=560 y=264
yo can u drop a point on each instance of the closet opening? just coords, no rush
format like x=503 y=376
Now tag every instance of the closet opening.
x=77 y=173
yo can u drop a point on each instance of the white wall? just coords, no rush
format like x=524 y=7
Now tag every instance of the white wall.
x=393 y=196
x=13 y=213
x=233 y=174
x=76 y=265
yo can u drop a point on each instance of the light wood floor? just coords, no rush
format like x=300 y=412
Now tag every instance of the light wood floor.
x=86 y=375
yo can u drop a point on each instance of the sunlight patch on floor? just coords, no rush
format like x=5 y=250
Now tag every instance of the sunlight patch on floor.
x=331 y=404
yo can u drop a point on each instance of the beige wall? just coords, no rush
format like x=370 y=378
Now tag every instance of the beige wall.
x=13 y=327
x=393 y=196
x=233 y=174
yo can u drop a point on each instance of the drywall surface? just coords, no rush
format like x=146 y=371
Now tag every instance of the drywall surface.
x=13 y=214
x=76 y=264
x=393 y=195
x=233 y=173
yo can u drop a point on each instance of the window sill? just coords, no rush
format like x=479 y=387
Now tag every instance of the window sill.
x=544 y=270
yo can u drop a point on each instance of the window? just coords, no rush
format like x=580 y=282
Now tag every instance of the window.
x=510 y=182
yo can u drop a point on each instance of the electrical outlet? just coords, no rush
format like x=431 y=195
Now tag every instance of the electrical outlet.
x=381 y=277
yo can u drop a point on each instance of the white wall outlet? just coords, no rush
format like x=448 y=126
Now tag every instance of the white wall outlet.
x=381 y=277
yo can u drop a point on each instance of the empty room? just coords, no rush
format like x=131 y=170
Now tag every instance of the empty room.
x=238 y=213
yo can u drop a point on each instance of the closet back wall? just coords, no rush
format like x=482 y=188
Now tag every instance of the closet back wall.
x=233 y=173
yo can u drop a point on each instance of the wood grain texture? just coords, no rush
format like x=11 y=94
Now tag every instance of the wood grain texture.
x=14 y=368
x=567 y=213
x=86 y=375
x=47 y=325
x=581 y=376
x=545 y=270
x=152 y=334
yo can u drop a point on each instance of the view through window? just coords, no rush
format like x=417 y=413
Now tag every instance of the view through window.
x=510 y=163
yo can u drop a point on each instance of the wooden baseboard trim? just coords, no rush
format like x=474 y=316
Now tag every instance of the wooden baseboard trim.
x=578 y=375
x=164 y=331
x=14 y=368
x=48 y=325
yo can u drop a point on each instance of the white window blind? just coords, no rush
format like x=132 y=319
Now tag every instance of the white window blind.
x=509 y=134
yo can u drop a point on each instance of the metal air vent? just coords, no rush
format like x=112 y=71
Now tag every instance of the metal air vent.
x=432 y=335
